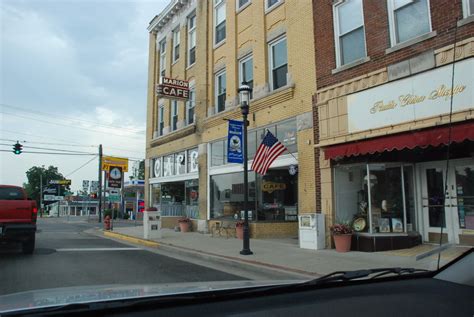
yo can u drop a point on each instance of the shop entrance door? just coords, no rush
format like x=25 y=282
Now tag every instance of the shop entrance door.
x=455 y=201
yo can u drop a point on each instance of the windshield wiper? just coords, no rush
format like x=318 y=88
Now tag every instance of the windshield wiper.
x=342 y=276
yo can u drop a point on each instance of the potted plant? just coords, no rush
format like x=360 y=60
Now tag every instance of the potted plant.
x=184 y=224
x=239 y=229
x=342 y=234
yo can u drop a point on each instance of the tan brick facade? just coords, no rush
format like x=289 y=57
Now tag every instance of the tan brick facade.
x=248 y=31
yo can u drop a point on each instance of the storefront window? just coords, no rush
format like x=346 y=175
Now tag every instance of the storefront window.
x=251 y=144
x=157 y=167
x=217 y=153
x=180 y=163
x=172 y=199
x=286 y=133
x=169 y=165
x=192 y=198
x=193 y=160
x=278 y=196
x=155 y=195
x=465 y=195
x=227 y=195
x=373 y=199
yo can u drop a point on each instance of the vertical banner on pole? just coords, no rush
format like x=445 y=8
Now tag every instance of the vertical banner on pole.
x=235 y=141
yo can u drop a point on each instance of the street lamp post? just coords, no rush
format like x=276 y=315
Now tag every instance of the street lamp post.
x=244 y=93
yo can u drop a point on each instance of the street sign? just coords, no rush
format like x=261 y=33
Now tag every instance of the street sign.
x=60 y=182
x=94 y=186
x=110 y=161
x=53 y=198
x=114 y=198
x=115 y=177
x=85 y=185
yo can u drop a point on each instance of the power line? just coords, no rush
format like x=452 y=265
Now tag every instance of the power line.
x=92 y=159
x=52 y=149
x=66 y=125
x=69 y=118
x=54 y=153
x=47 y=137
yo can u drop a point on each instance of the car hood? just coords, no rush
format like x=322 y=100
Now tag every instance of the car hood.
x=102 y=293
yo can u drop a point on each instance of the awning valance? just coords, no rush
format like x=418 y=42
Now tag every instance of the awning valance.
x=407 y=140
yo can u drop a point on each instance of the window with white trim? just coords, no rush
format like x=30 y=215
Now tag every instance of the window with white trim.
x=162 y=47
x=349 y=31
x=408 y=19
x=191 y=39
x=220 y=91
x=190 y=104
x=241 y=3
x=174 y=115
x=161 y=119
x=219 y=21
x=278 y=63
x=246 y=71
x=176 y=42
x=468 y=7
x=270 y=3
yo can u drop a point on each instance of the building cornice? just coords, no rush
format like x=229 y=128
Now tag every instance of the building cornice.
x=160 y=20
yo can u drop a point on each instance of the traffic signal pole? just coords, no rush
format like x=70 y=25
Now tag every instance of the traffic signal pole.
x=100 y=183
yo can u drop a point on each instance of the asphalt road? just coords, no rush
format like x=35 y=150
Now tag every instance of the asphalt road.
x=67 y=256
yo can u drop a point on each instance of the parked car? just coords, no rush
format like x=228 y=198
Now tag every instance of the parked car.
x=17 y=218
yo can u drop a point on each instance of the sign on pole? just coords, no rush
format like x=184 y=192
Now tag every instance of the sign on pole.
x=109 y=161
x=94 y=186
x=60 y=182
x=235 y=153
x=173 y=88
x=85 y=185
x=115 y=177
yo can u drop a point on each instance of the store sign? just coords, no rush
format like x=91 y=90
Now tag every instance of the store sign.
x=270 y=187
x=173 y=88
x=108 y=161
x=115 y=177
x=414 y=98
x=234 y=142
x=60 y=182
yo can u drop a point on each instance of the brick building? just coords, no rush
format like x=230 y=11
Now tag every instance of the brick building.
x=383 y=119
x=215 y=45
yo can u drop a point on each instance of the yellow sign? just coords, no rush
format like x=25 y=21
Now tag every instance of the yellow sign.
x=270 y=187
x=109 y=161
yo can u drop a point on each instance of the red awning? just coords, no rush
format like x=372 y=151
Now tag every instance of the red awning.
x=407 y=140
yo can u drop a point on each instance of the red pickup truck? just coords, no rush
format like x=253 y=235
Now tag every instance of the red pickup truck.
x=17 y=218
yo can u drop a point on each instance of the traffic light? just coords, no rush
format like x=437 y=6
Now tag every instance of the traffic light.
x=17 y=148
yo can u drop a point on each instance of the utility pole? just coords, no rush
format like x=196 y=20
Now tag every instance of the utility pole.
x=41 y=194
x=100 y=183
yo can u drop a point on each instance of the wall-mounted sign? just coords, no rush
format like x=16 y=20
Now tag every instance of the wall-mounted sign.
x=115 y=177
x=413 y=98
x=172 y=88
x=292 y=169
x=270 y=187
x=108 y=161
x=234 y=142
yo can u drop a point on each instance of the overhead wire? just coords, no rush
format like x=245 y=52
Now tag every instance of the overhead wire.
x=83 y=165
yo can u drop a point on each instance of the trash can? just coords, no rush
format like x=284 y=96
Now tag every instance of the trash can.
x=152 y=225
x=312 y=231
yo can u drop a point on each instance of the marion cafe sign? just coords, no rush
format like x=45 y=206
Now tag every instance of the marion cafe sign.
x=173 y=88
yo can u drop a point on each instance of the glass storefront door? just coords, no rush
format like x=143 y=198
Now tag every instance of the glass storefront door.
x=451 y=206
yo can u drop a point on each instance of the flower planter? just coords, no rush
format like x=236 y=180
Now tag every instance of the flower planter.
x=184 y=226
x=342 y=242
x=239 y=232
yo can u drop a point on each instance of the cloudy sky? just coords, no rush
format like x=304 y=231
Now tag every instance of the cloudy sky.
x=73 y=75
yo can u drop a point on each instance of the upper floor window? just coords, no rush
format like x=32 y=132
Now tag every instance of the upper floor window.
x=176 y=42
x=408 y=19
x=271 y=3
x=349 y=31
x=241 y=3
x=174 y=115
x=246 y=71
x=220 y=91
x=192 y=39
x=278 y=63
x=468 y=7
x=190 y=104
x=161 y=119
x=162 y=47
x=219 y=21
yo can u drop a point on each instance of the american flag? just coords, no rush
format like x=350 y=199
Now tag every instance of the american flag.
x=267 y=152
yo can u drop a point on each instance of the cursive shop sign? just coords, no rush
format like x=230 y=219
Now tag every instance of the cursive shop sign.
x=417 y=97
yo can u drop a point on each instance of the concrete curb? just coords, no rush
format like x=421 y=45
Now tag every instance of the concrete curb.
x=255 y=266
x=128 y=238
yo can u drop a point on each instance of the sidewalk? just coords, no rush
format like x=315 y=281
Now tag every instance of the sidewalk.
x=283 y=254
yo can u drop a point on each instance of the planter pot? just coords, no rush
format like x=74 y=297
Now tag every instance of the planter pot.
x=342 y=242
x=184 y=226
x=239 y=232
